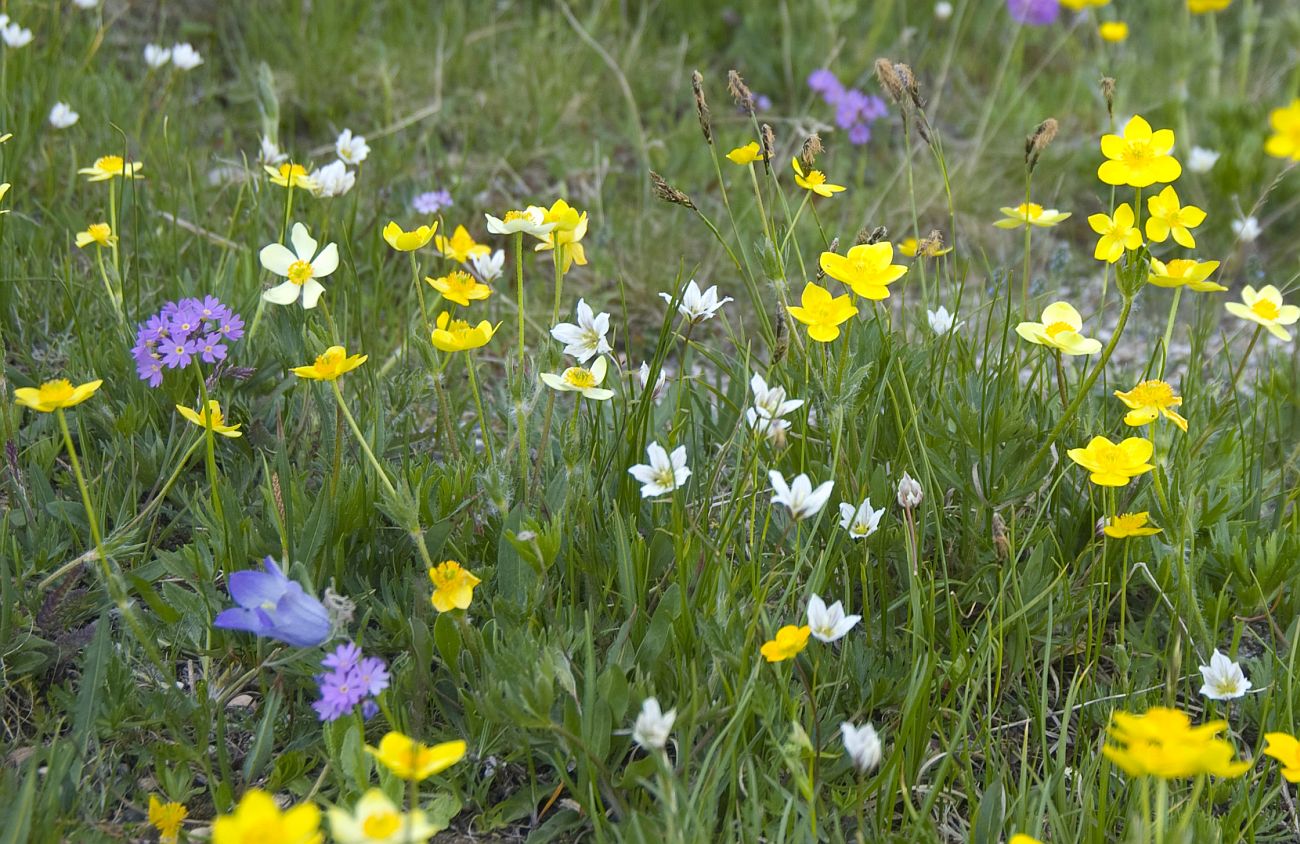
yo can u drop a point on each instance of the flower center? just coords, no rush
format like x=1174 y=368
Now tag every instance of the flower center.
x=57 y=390
x=1138 y=153
x=1265 y=309
x=1156 y=393
x=511 y=216
x=381 y=824
x=110 y=164
x=579 y=377
x=1032 y=211
x=815 y=177
x=1058 y=328
x=300 y=272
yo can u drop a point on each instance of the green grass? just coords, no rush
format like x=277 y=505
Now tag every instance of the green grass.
x=995 y=643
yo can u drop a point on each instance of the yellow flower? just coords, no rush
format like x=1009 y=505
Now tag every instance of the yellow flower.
x=788 y=642
x=166 y=818
x=1184 y=271
x=1200 y=7
x=108 y=166
x=1149 y=400
x=460 y=287
x=460 y=247
x=1020 y=837
x=404 y=241
x=219 y=425
x=258 y=818
x=1168 y=215
x=1113 y=31
x=1117 y=234
x=4 y=189
x=1129 y=524
x=747 y=154
x=1264 y=307
x=1114 y=464
x=1060 y=330
x=910 y=246
x=54 y=395
x=453 y=586
x=413 y=760
x=1285 y=140
x=290 y=175
x=1285 y=749
x=457 y=335
x=822 y=313
x=815 y=181
x=1031 y=214
x=1163 y=743
x=569 y=228
x=867 y=269
x=576 y=379
x=377 y=820
x=1080 y=5
x=1138 y=157
x=100 y=233
x=330 y=364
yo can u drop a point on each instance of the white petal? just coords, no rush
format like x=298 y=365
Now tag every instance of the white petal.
x=282 y=294
x=277 y=258
x=311 y=292
x=303 y=243
x=326 y=262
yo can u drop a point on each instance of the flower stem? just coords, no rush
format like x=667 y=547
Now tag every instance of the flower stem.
x=1241 y=365
x=419 y=292
x=478 y=405
x=521 y=413
x=361 y=440
x=85 y=491
x=1169 y=330
x=211 y=458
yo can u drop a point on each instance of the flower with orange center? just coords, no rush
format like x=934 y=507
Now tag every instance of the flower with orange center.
x=1138 y=157
x=1185 y=272
x=109 y=166
x=291 y=176
x=1150 y=400
x=1118 y=234
x=577 y=379
x=1264 y=307
x=329 y=365
x=814 y=180
x=461 y=246
x=1169 y=216
x=453 y=586
x=1114 y=464
x=460 y=287
x=98 y=233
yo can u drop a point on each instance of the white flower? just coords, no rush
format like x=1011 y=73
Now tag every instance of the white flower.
x=909 y=492
x=1224 y=679
x=62 y=116
x=697 y=306
x=528 y=221
x=1201 y=160
x=185 y=57
x=942 y=11
x=941 y=322
x=85 y=4
x=334 y=179
x=576 y=379
x=15 y=36
x=862 y=745
x=269 y=152
x=644 y=375
x=774 y=430
x=653 y=725
x=489 y=267
x=586 y=339
x=302 y=267
x=769 y=403
x=799 y=496
x=351 y=149
x=156 y=56
x=664 y=473
x=860 y=521
x=1246 y=229
x=829 y=624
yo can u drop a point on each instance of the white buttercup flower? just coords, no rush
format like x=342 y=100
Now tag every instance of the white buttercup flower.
x=664 y=473
x=799 y=495
x=829 y=624
x=351 y=149
x=488 y=268
x=185 y=57
x=860 y=521
x=653 y=725
x=1224 y=679
x=302 y=267
x=334 y=179
x=586 y=338
x=941 y=322
x=62 y=116
x=1201 y=160
x=697 y=305
x=862 y=745
x=156 y=55
x=1247 y=229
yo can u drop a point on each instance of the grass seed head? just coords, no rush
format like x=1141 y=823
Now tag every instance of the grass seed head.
x=740 y=92
x=668 y=193
x=702 y=106
x=812 y=147
x=1108 y=93
x=890 y=81
x=1038 y=140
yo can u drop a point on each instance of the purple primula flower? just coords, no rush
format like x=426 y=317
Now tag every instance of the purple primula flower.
x=345 y=656
x=178 y=353
x=339 y=693
x=232 y=327
x=431 y=202
x=825 y=82
x=374 y=674
x=171 y=338
x=211 y=349
x=212 y=308
x=1034 y=12
x=859 y=134
x=351 y=680
x=272 y=605
x=369 y=709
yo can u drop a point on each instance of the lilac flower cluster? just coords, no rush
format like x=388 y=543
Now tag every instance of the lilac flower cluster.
x=351 y=680
x=854 y=110
x=182 y=331
x=431 y=202
x=1034 y=12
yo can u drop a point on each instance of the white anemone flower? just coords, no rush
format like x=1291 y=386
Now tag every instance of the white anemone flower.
x=531 y=221
x=1202 y=160
x=351 y=149
x=185 y=57
x=653 y=725
x=799 y=496
x=862 y=745
x=829 y=624
x=15 y=36
x=1247 y=229
x=697 y=305
x=577 y=379
x=334 y=179
x=156 y=55
x=664 y=473
x=909 y=492
x=488 y=267
x=269 y=152
x=1224 y=679
x=941 y=322
x=62 y=116
x=586 y=338
x=644 y=375
x=302 y=267
x=860 y=521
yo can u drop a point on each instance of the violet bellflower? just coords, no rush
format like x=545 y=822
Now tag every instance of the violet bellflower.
x=181 y=332
x=273 y=606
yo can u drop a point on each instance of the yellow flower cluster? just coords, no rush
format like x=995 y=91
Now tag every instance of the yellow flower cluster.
x=1163 y=743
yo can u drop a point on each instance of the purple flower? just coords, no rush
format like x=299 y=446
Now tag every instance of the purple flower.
x=374 y=674
x=369 y=709
x=345 y=656
x=178 y=353
x=150 y=371
x=859 y=133
x=1034 y=12
x=272 y=605
x=232 y=326
x=825 y=82
x=431 y=202
x=351 y=680
x=212 y=308
x=339 y=693
x=171 y=338
x=210 y=348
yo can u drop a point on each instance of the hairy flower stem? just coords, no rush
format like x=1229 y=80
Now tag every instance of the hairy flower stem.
x=1169 y=331
x=1241 y=365
x=112 y=222
x=112 y=294
x=521 y=412
x=478 y=404
x=1024 y=282
x=559 y=284
x=419 y=293
x=211 y=453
